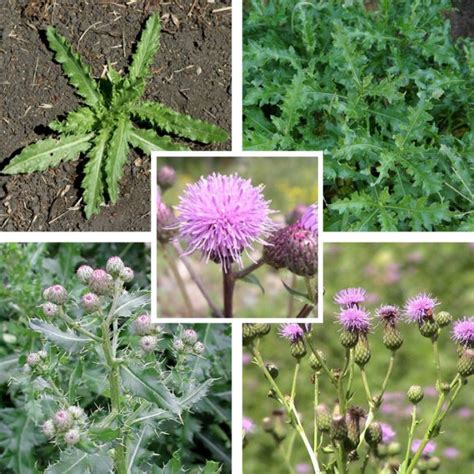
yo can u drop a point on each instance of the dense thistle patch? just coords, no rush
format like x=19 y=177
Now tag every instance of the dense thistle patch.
x=222 y=216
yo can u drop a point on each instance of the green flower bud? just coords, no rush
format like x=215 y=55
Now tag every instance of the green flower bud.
x=415 y=394
x=348 y=338
x=338 y=429
x=394 y=448
x=466 y=363
x=392 y=337
x=298 y=349
x=433 y=463
x=262 y=329
x=428 y=328
x=314 y=362
x=443 y=319
x=248 y=333
x=362 y=351
x=323 y=418
x=373 y=434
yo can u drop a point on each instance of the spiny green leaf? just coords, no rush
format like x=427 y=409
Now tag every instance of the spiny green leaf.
x=74 y=461
x=47 y=153
x=117 y=155
x=130 y=302
x=211 y=467
x=146 y=49
x=182 y=125
x=79 y=74
x=146 y=383
x=193 y=393
x=93 y=183
x=68 y=340
x=148 y=140
x=81 y=120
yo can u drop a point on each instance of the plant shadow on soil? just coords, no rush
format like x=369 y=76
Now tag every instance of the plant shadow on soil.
x=191 y=74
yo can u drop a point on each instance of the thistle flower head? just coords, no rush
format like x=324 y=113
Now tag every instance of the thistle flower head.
x=296 y=213
x=100 y=282
x=350 y=297
x=62 y=420
x=33 y=359
x=127 y=275
x=114 y=266
x=463 y=331
x=354 y=319
x=50 y=309
x=90 y=302
x=309 y=220
x=388 y=314
x=427 y=450
x=83 y=273
x=292 y=331
x=420 y=307
x=76 y=412
x=388 y=434
x=222 y=216
x=189 y=336
x=166 y=177
x=248 y=426
x=142 y=324
x=199 y=348
x=148 y=343
x=48 y=428
x=166 y=222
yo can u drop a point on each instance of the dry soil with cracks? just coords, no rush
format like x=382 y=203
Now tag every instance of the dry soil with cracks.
x=191 y=74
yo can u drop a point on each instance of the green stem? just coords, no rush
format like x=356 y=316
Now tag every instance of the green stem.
x=366 y=460
x=340 y=384
x=293 y=385
x=365 y=382
x=75 y=325
x=387 y=375
x=351 y=373
x=427 y=436
x=291 y=443
x=285 y=458
x=316 y=403
x=340 y=458
x=411 y=435
x=322 y=363
x=434 y=343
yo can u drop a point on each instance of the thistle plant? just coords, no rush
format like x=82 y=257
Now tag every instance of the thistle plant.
x=110 y=121
x=102 y=332
x=224 y=218
x=347 y=432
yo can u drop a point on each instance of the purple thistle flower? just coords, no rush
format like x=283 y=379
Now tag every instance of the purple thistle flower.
x=451 y=453
x=309 y=220
x=350 y=296
x=303 y=468
x=464 y=412
x=248 y=426
x=388 y=314
x=428 y=449
x=463 y=331
x=222 y=216
x=420 y=307
x=292 y=331
x=388 y=434
x=354 y=319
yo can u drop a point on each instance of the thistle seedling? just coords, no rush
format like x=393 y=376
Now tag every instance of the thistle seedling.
x=107 y=125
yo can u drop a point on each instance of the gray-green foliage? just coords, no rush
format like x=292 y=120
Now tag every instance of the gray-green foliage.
x=387 y=93
x=106 y=126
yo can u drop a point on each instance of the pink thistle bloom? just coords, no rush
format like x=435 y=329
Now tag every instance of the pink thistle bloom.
x=388 y=313
x=463 y=331
x=303 y=468
x=222 y=216
x=309 y=220
x=354 y=320
x=464 y=412
x=428 y=449
x=420 y=307
x=246 y=358
x=451 y=453
x=248 y=426
x=388 y=434
x=350 y=297
x=291 y=331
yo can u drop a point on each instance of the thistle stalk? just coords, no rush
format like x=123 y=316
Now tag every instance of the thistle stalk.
x=228 y=288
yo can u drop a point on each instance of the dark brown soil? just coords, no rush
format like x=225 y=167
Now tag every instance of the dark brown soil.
x=192 y=74
x=462 y=19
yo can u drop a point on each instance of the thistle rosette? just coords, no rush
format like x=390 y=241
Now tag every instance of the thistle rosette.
x=420 y=309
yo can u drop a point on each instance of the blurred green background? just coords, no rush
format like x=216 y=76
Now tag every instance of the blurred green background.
x=288 y=182
x=390 y=273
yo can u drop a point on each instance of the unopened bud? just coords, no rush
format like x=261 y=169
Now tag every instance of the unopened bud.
x=394 y=448
x=76 y=412
x=323 y=418
x=466 y=363
x=433 y=463
x=348 y=339
x=50 y=309
x=443 y=319
x=90 y=302
x=189 y=336
x=338 y=428
x=48 y=428
x=114 y=266
x=62 y=420
x=315 y=362
x=178 y=345
x=166 y=177
x=428 y=327
x=148 y=343
x=84 y=273
x=72 y=437
x=298 y=349
x=56 y=294
x=261 y=329
x=392 y=337
x=373 y=434
x=362 y=351
x=127 y=275
x=199 y=348
x=43 y=354
x=33 y=359
x=415 y=394
x=142 y=324
x=267 y=424
x=101 y=282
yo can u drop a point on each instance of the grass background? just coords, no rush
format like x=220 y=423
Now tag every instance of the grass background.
x=287 y=183
x=390 y=273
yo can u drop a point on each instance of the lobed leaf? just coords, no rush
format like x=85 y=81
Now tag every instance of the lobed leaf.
x=148 y=140
x=78 y=121
x=130 y=302
x=49 y=152
x=117 y=155
x=93 y=182
x=182 y=125
x=67 y=340
x=193 y=393
x=74 y=461
x=146 y=49
x=79 y=73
